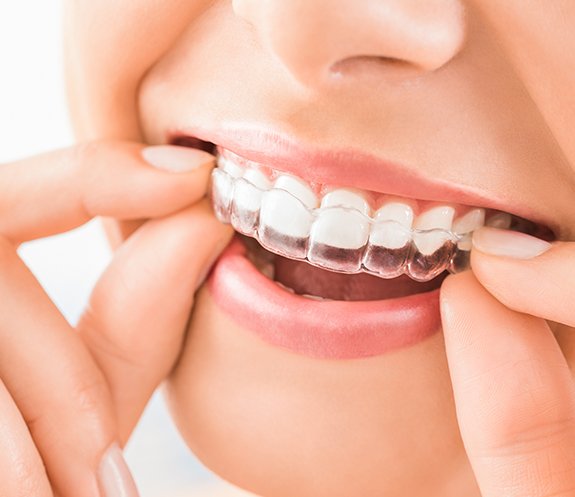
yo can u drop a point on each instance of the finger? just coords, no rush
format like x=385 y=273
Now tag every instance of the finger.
x=58 y=388
x=513 y=391
x=527 y=274
x=139 y=309
x=21 y=468
x=58 y=191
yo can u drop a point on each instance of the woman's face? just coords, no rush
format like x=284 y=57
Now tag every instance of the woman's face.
x=476 y=96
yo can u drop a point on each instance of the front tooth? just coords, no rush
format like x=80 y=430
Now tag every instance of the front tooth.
x=338 y=237
x=439 y=217
x=469 y=222
x=438 y=220
x=389 y=239
x=258 y=179
x=298 y=188
x=501 y=220
x=285 y=224
x=230 y=167
x=343 y=197
x=385 y=233
x=341 y=228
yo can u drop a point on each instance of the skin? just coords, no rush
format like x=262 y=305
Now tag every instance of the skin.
x=487 y=407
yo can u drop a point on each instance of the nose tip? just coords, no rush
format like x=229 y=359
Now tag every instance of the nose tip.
x=316 y=38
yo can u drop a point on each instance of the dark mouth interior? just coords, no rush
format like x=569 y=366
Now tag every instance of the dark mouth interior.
x=305 y=279
x=193 y=142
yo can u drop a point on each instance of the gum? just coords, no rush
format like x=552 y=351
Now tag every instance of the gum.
x=451 y=254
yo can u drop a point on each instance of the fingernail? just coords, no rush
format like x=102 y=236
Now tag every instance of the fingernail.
x=508 y=243
x=176 y=159
x=114 y=475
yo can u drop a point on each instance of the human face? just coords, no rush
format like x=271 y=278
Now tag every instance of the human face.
x=474 y=97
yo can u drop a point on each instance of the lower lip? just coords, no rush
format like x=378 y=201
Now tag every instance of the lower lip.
x=323 y=330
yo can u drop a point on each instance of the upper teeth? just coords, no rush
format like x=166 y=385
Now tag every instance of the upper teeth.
x=289 y=217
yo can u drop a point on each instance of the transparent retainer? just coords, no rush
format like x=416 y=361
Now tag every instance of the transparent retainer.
x=450 y=250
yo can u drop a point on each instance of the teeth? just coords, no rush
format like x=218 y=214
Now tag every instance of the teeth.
x=341 y=228
x=315 y=297
x=501 y=220
x=268 y=269
x=222 y=194
x=392 y=235
x=470 y=221
x=339 y=231
x=283 y=287
x=339 y=234
x=258 y=179
x=346 y=198
x=467 y=223
x=438 y=220
x=246 y=206
x=233 y=169
x=284 y=222
x=389 y=240
x=298 y=188
x=247 y=200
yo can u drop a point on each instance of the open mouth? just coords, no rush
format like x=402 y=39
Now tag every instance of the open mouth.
x=329 y=242
x=325 y=244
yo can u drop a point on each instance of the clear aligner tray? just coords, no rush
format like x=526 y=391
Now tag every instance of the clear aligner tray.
x=420 y=254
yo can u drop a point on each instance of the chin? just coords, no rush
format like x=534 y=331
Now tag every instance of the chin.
x=278 y=423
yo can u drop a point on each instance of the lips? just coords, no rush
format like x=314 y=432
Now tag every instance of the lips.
x=317 y=312
x=318 y=329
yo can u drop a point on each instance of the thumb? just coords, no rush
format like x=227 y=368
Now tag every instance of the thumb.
x=526 y=274
x=513 y=391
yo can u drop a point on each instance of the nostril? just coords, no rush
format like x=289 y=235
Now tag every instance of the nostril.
x=380 y=67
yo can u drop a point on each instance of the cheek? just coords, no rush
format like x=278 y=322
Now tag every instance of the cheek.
x=279 y=424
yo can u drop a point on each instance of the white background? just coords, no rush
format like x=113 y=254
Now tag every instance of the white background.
x=33 y=119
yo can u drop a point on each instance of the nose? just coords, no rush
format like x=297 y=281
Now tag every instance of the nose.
x=316 y=39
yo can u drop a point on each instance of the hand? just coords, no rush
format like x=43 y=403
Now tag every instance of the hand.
x=513 y=388
x=68 y=396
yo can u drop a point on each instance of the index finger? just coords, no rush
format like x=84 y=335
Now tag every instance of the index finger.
x=60 y=190
x=513 y=391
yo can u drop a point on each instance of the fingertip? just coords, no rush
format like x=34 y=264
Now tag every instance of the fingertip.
x=455 y=285
x=176 y=159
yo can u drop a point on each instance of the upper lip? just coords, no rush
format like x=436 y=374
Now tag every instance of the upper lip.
x=347 y=167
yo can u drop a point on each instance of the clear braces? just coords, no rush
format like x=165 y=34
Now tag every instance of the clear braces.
x=452 y=253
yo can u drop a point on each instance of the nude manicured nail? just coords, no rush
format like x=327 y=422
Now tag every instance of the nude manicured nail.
x=508 y=243
x=114 y=475
x=176 y=159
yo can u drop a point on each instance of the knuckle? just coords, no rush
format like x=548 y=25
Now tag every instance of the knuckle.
x=90 y=395
x=86 y=153
x=83 y=160
x=84 y=401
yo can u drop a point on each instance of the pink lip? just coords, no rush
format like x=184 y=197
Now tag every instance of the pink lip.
x=345 y=167
x=328 y=330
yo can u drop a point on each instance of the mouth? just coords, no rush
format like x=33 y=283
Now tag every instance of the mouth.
x=314 y=257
